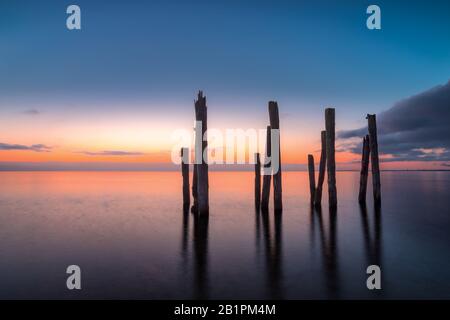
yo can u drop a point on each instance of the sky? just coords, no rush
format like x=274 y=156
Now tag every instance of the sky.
x=115 y=91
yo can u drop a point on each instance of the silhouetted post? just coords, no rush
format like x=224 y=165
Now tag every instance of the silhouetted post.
x=331 y=163
x=373 y=141
x=257 y=181
x=323 y=160
x=267 y=176
x=364 y=170
x=277 y=185
x=312 y=178
x=185 y=174
x=202 y=168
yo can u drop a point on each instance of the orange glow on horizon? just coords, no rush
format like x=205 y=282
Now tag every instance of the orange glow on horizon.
x=149 y=140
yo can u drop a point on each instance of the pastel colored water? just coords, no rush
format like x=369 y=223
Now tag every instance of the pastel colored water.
x=131 y=239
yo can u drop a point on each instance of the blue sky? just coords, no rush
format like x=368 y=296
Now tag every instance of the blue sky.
x=312 y=51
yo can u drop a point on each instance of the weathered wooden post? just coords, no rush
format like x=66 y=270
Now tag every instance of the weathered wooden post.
x=202 y=144
x=277 y=184
x=331 y=162
x=373 y=141
x=364 y=170
x=312 y=178
x=267 y=176
x=185 y=174
x=323 y=160
x=257 y=181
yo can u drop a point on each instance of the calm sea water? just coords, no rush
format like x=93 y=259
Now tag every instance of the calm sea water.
x=128 y=233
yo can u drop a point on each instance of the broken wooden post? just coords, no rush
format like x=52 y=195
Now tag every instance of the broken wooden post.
x=257 y=181
x=331 y=162
x=267 y=176
x=364 y=170
x=185 y=174
x=373 y=142
x=312 y=178
x=202 y=144
x=323 y=160
x=277 y=184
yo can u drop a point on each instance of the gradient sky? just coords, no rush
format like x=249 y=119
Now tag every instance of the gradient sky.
x=128 y=79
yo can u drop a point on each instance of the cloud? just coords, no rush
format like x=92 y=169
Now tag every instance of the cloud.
x=112 y=153
x=32 y=112
x=34 y=147
x=416 y=128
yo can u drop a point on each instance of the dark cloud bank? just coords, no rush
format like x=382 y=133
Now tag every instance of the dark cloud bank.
x=416 y=128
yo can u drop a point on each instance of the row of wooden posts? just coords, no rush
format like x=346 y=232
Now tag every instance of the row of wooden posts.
x=200 y=183
x=327 y=157
x=262 y=198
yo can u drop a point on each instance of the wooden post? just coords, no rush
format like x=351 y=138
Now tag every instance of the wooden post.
x=185 y=174
x=373 y=141
x=323 y=160
x=202 y=168
x=267 y=176
x=364 y=170
x=257 y=181
x=331 y=163
x=312 y=179
x=194 y=188
x=277 y=184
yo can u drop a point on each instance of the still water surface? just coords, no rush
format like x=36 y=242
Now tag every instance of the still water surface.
x=128 y=233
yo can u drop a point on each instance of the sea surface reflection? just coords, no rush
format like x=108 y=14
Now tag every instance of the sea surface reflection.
x=130 y=236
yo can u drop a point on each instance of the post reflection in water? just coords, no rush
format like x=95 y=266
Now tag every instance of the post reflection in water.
x=269 y=247
x=200 y=255
x=372 y=242
x=272 y=251
x=185 y=241
x=328 y=244
x=199 y=252
x=257 y=231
